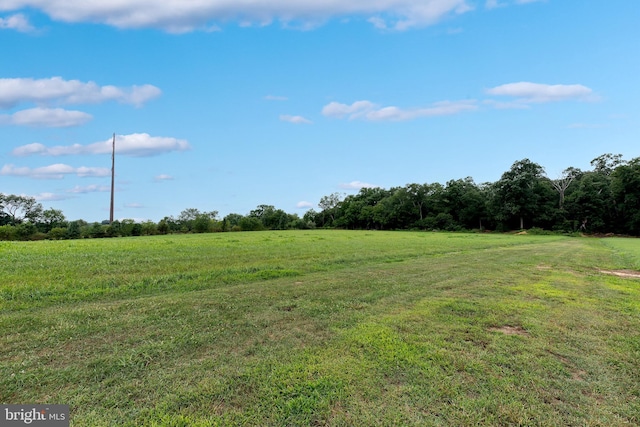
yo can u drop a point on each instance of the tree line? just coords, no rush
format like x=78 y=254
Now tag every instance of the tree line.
x=605 y=199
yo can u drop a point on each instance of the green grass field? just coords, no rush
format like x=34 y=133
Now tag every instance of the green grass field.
x=324 y=327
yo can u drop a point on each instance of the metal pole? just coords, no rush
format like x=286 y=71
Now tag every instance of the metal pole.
x=113 y=173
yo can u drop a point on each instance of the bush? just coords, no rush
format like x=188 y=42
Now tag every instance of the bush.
x=74 y=231
x=7 y=232
x=535 y=231
x=25 y=230
x=249 y=223
x=149 y=228
x=58 y=233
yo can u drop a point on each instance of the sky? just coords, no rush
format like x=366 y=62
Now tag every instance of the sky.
x=229 y=104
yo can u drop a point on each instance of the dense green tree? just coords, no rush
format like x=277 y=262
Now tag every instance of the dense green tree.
x=625 y=187
x=250 y=223
x=520 y=192
x=233 y=220
x=465 y=202
x=51 y=218
x=329 y=207
x=74 y=230
x=357 y=211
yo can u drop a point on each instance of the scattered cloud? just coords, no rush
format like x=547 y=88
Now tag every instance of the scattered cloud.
x=79 y=189
x=304 y=205
x=17 y=22
x=56 y=91
x=50 y=197
x=493 y=4
x=56 y=171
x=527 y=92
x=295 y=119
x=356 y=185
x=163 y=177
x=134 y=205
x=276 y=98
x=179 y=16
x=46 y=117
x=367 y=110
x=134 y=145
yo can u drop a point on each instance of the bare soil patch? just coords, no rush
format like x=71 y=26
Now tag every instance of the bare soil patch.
x=510 y=330
x=622 y=273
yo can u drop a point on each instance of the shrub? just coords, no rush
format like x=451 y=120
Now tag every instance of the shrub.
x=25 y=230
x=58 y=233
x=7 y=232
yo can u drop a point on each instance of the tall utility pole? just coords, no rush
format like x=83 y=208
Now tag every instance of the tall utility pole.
x=113 y=174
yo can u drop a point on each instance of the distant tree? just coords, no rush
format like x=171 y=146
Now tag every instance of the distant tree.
x=606 y=163
x=465 y=202
x=357 y=211
x=74 y=230
x=163 y=226
x=250 y=223
x=329 y=205
x=590 y=203
x=233 y=220
x=20 y=208
x=562 y=184
x=312 y=218
x=625 y=186
x=201 y=223
x=51 y=218
x=149 y=228
x=187 y=219
x=519 y=191
x=98 y=230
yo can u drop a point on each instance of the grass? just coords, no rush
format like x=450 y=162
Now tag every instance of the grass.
x=324 y=328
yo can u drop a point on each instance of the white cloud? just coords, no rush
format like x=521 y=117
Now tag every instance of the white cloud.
x=304 y=205
x=78 y=189
x=357 y=185
x=56 y=90
x=134 y=205
x=493 y=4
x=354 y=111
x=528 y=92
x=367 y=110
x=276 y=98
x=181 y=16
x=134 y=145
x=295 y=119
x=163 y=177
x=56 y=171
x=50 y=197
x=17 y=22
x=46 y=117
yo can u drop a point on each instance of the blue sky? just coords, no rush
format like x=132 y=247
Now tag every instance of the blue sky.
x=225 y=105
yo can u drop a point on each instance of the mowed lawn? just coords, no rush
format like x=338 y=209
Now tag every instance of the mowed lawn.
x=321 y=327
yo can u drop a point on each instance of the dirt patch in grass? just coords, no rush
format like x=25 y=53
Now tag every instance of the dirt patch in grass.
x=510 y=330
x=622 y=273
